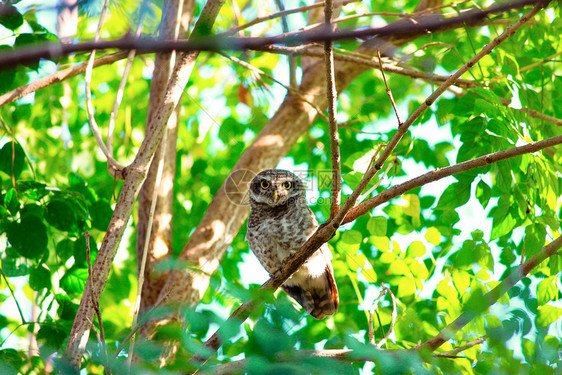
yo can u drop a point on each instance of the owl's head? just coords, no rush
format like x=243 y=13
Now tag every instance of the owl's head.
x=275 y=187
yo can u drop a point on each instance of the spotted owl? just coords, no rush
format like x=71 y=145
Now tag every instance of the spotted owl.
x=280 y=222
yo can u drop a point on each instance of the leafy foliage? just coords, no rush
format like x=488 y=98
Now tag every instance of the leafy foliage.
x=439 y=248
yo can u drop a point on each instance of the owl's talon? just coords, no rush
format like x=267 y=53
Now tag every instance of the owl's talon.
x=277 y=272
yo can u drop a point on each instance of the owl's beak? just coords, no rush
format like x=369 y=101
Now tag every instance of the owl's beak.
x=275 y=196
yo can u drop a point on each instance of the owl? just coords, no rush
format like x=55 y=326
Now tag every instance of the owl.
x=280 y=222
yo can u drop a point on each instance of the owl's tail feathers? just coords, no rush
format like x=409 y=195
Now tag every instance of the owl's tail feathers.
x=319 y=297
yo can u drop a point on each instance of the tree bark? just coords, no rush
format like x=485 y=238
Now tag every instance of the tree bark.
x=176 y=19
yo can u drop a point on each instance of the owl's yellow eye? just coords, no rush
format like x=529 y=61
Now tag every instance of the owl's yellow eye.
x=286 y=185
x=264 y=184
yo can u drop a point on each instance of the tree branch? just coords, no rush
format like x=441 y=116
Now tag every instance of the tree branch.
x=284 y=13
x=397 y=30
x=332 y=94
x=176 y=19
x=59 y=76
x=440 y=173
x=238 y=367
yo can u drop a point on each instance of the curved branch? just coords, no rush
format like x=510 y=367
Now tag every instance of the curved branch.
x=59 y=76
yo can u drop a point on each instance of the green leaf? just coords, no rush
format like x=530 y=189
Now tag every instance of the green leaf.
x=351 y=237
x=502 y=227
x=67 y=309
x=270 y=338
x=461 y=280
x=74 y=281
x=81 y=254
x=65 y=249
x=483 y=193
x=377 y=226
x=535 y=238
x=547 y=290
x=52 y=335
x=406 y=287
x=40 y=278
x=101 y=213
x=13 y=267
x=10 y=18
x=61 y=214
x=29 y=237
x=11 y=360
x=11 y=201
x=413 y=206
x=12 y=159
x=33 y=190
x=455 y=195
x=415 y=250
x=548 y=314
x=433 y=236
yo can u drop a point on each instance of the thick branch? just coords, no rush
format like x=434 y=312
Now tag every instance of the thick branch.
x=397 y=30
x=349 y=355
x=161 y=236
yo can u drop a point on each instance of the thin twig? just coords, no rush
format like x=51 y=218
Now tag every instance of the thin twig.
x=113 y=166
x=366 y=60
x=23 y=321
x=529 y=112
x=376 y=185
x=123 y=82
x=332 y=94
x=388 y=92
x=283 y=13
x=57 y=77
x=382 y=14
x=292 y=59
x=456 y=351
x=371 y=329
x=393 y=321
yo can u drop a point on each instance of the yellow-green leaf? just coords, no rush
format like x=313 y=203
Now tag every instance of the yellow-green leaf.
x=433 y=236
x=548 y=314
